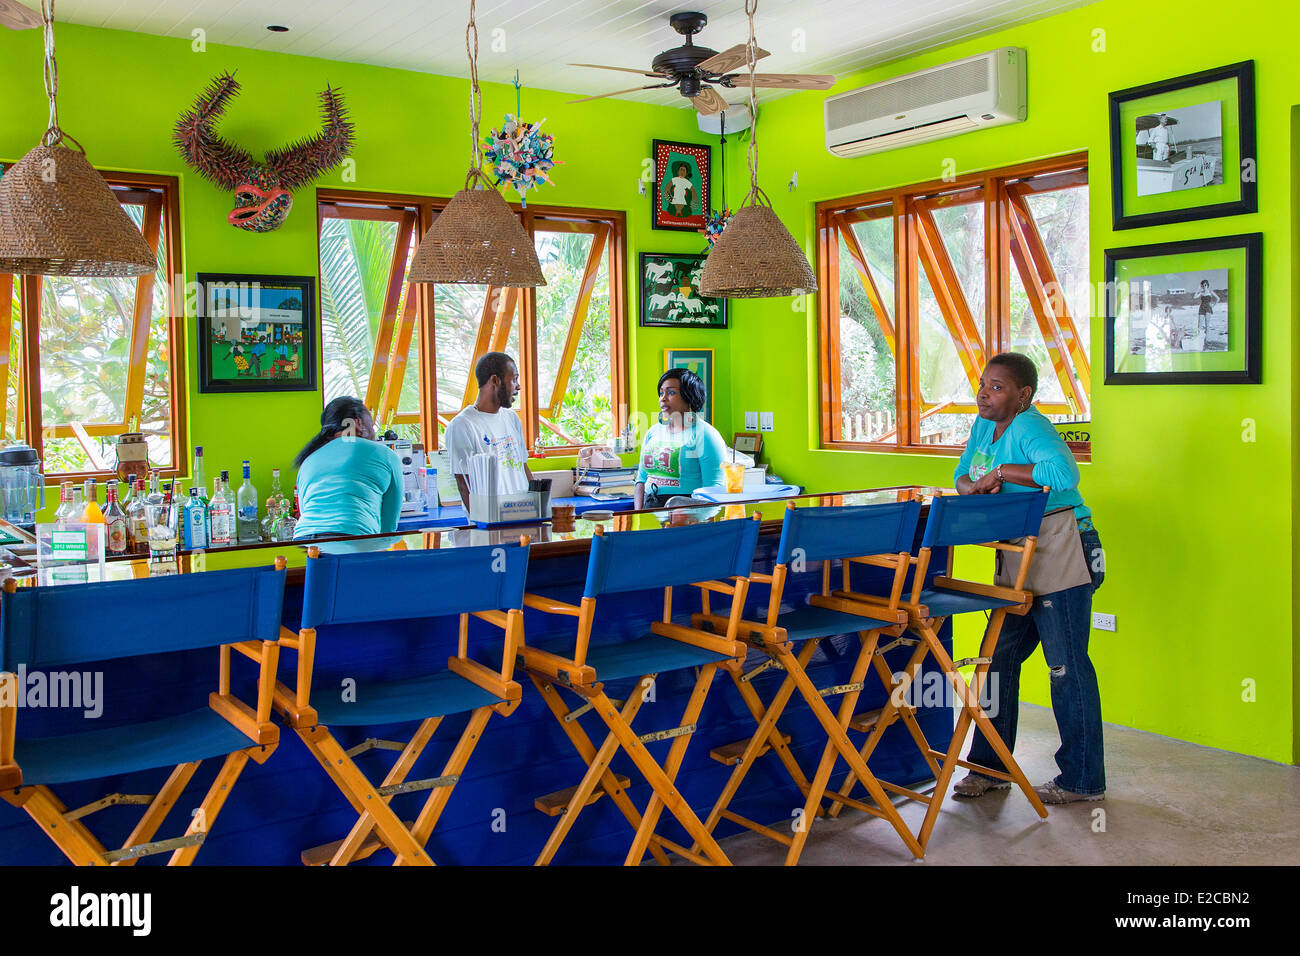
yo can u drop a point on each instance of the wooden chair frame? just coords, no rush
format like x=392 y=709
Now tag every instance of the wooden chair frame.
x=377 y=825
x=772 y=641
x=549 y=672
x=927 y=628
x=65 y=827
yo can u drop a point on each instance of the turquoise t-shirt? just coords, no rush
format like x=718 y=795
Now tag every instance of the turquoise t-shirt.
x=350 y=486
x=1030 y=439
x=676 y=463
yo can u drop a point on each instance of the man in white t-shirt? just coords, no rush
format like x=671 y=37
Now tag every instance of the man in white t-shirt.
x=490 y=426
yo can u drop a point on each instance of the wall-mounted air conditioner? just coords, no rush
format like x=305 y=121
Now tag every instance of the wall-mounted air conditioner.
x=979 y=91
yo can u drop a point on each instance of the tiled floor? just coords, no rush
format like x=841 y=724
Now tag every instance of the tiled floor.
x=1168 y=803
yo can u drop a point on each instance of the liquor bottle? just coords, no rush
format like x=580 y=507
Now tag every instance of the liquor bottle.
x=281 y=502
x=246 y=526
x=155 y=495
x=221 y=516
x=200 y=475
x=65 y=503
x=77 y=514
x=124 y=495
x=115 y=519
x=195 y=522
x=284 y=528
x=137 y=521
x=91 y=513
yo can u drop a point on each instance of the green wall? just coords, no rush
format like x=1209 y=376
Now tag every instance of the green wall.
x=120 y=95
x=1194 y=520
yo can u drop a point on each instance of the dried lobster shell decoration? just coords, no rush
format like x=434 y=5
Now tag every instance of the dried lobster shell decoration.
x=262 y=190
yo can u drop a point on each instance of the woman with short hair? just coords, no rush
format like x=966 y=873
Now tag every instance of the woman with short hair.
x=681 y=452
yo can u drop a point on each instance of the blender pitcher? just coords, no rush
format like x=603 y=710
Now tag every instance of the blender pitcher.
x=22 y=485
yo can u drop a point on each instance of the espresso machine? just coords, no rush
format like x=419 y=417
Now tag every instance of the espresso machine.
x=22 y=486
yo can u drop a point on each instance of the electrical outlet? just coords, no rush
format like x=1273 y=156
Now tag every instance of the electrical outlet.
x=765 y=422
x=751 y=421
x=1103 y=622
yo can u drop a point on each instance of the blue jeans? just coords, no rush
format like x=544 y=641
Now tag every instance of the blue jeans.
x=1060 y=621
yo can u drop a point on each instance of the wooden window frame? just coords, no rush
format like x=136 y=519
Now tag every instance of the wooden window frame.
x=160 y=196
x=502 y=308
x=1011 y=241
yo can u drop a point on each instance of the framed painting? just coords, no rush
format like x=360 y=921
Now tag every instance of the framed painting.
x=1184 y=149
x=256 y=333
x=670 y=292
x=699 y=361
x=1184 y=312
x=681 y=186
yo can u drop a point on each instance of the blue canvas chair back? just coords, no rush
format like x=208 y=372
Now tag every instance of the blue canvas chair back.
x=823 y=534
x=402 y=585
x=73 y=623
x=640 y=560
x=979 y=519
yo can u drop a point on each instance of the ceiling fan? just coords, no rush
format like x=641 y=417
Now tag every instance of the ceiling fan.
x=696 y=70
x=18 y=17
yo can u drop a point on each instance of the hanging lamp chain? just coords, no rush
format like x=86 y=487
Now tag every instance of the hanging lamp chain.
x=475 y=104
x=54 y=135
x=756 y=194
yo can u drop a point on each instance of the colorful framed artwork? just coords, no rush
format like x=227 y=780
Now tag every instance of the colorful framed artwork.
x=1184 y=149
x=699 y=361
x=670 y=292
x=1184 y=312
x=256 y=333
x=681 y=186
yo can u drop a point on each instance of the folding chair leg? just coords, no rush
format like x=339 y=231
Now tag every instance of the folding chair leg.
x=159 y=807
x=76 y=842
x=774 y=737
x=587 y=751
x=437 y=800
x=598 y=767
x=676 y=752
x=211 y=805
x=359 y=792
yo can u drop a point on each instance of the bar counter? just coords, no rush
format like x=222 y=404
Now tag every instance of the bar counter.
x=287 y=805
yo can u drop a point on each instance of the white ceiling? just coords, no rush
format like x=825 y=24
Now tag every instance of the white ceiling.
x=541 y=36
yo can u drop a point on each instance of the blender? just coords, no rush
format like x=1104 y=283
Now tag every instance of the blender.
x=22 y=486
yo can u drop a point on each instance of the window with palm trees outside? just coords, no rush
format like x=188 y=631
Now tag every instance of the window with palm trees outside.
x=86 y=359
x=409 y=350
x=921 y=285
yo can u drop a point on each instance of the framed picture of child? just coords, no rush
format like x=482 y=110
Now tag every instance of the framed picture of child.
x=256 y=333
x=681 y=186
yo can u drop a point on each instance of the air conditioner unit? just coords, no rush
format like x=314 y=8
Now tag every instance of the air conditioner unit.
x=979 y=91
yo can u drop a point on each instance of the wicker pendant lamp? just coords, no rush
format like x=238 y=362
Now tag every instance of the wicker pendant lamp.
x=57 y=215
x=476 y=239
x=755 y=257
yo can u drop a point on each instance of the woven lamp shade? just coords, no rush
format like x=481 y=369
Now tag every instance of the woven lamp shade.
x=477 y=240
x=71 y=226
x=756 y=257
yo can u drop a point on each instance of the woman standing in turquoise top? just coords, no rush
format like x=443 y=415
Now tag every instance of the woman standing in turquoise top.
x=1014 y=448
x=681 y=452
x=348 y=483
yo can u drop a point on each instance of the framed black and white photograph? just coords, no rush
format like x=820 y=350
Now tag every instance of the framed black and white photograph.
x=1184 y=312
x=670 y=293
x=256 y=333
x=1184 y=148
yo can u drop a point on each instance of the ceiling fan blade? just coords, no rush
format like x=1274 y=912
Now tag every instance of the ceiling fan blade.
x=707 y=102
x=729 y=60
x=18 y=17
x=786 y=81
x=597 y=66
x=635 y=89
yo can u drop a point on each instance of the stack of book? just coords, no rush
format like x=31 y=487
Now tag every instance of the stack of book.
x=604 y=483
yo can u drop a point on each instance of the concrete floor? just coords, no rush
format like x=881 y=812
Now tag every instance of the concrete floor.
x=1168 y=803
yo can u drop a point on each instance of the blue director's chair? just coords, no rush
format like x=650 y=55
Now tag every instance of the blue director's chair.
x=699 y=555
x=59 y=626
x=353 y=589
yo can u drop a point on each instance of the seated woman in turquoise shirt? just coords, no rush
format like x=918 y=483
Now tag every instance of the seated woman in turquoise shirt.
x=681 y=452
x=348 y=483
x=1014 y=448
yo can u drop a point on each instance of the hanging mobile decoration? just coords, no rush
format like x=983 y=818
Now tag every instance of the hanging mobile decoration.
x=716 y=220
x=519 y=155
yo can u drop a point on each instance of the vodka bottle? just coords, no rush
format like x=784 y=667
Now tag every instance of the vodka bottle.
x=246 y=525
x=200 y=475
x=221 y=515
x=115 y=518
x=195 y=522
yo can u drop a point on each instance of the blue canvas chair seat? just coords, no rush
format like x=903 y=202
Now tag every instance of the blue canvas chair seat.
x=880 y=535
x=484 y=582
x=705 y=555
x=397 y=701
x=55 y=627
x=197 y=735
x=993 y=521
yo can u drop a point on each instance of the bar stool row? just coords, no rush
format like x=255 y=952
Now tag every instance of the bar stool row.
x=239 y=612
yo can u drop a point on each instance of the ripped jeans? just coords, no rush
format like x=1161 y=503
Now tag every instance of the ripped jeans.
x=1060 y=621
